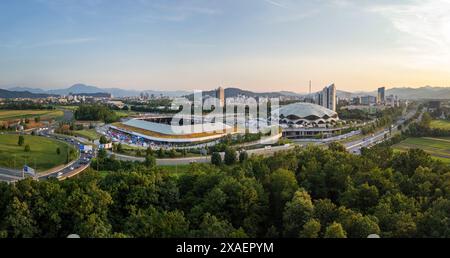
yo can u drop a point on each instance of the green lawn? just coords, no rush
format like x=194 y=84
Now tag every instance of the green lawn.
x=42 y=156
x=89 y=134
x=123 y=113
x=437 y=147
x=71 y=108
x=21 y=114
x=440 y=124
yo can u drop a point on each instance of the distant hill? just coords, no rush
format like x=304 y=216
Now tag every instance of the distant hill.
x=82 y=88
x=426 y=92
x=32 y=90
x=235 y=92
x=6 y=94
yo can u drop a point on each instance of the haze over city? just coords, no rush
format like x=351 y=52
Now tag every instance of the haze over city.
x=258 y=45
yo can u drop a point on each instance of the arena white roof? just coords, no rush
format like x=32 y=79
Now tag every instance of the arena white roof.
x=303 y=109
x=177 y=130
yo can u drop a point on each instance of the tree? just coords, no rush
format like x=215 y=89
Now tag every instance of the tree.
x=216 y=159
x=311 y=229
x=337 y=147
x=230 y=156
x=356 y=224
x=102 y=154
x=426 y=120
x=37 y=119
x=119 y=148
x=212 y=227
x=335 y=230
x=103 y=140
x=149 y=151
x=19 y=220
x=150 y=161
x=160 y=153
x=362 y=197
x=283 y=185
x=172 y=153
x=94 y=226
x=243 y=156
x=21 y=140
x=58 y=151
x=408 y=162
x=27 y=148
x=296 y=213
x=156 y=224
x=325 y=211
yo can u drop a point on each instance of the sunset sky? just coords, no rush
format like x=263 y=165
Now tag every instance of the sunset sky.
x=260 y=45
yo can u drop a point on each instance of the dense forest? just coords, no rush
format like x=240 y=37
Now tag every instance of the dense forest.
x=24 y=105
x=96 y=113
x=310 y=192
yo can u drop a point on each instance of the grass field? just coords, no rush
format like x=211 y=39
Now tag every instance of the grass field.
x=71 y=108
x=438 y=148
x=89 y=134
x=20 y=114
x=42 y=156
x=440 y=124
x=124 y=113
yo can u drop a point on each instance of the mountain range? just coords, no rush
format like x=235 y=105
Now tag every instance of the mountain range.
x=7 y=94
x=427 y=92
x=82 y=88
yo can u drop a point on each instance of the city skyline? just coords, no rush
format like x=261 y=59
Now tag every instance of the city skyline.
x=265 y=45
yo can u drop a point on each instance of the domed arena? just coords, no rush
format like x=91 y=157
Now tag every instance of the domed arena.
x=303 y=114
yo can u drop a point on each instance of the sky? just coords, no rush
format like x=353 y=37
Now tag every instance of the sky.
x=259 y=45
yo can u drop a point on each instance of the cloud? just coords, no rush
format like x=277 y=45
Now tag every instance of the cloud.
x=425 y=27
x=275 y=3
x=170 y=12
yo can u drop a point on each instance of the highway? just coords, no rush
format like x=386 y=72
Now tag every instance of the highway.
x=356 y=146
x=83 y=161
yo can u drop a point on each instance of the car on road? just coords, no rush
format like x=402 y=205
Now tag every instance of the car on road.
x=71 y=168
x=59 y=174
x=268 y=147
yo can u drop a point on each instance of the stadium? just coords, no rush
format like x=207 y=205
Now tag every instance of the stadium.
x=160 y=131
x=298 y=120
x=306 y=120
x=306 y=115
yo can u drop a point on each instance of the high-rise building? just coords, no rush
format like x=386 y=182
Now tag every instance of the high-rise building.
x=319 y=98
x=331 y=97
x=381 y=95
x=327 y=97
x=220 y=94
x=368 y=100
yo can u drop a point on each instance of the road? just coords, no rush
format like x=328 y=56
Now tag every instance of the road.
x=356 y=146
x=83 y=161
